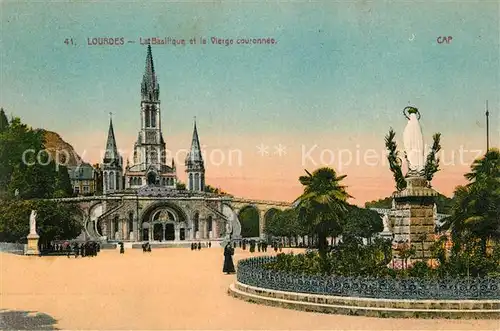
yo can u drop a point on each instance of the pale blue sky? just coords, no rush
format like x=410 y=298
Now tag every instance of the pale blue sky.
x=342 y=66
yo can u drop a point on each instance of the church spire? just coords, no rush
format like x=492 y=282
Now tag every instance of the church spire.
x=194 y=165
x=150 y=89
x=111 y=149
x=194 y=155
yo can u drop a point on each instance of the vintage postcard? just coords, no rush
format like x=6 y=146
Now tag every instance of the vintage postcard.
x=249 y=165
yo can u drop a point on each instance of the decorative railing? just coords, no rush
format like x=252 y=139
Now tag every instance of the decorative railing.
x=252 y=272
x=14 y=248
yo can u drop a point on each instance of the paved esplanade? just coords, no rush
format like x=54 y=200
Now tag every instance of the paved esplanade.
x=167 y=289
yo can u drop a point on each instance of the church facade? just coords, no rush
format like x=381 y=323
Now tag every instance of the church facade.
x=142 y=201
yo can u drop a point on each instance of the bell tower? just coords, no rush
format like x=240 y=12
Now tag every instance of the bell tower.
x=149 y=162
x=112 y=164
x=195 y=167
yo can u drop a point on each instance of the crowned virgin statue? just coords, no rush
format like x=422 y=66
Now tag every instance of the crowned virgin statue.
x=413 y=142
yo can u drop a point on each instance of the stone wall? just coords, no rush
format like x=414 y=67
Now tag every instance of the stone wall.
x=460 y=309
x=414 y=221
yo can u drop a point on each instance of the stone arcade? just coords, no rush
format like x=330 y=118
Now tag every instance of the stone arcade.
x=142 y=202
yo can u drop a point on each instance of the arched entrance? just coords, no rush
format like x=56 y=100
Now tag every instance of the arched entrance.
x=145 y=231
x=249 y=219
x=151 y=178
x=196 y=226
x=165 y=221
x=157 y=232
x=270 y=214
x=169 y=231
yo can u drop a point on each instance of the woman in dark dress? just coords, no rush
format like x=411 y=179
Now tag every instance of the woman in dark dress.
x=228 y=259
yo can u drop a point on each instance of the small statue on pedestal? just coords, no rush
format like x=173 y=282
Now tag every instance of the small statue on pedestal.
x=32 y=247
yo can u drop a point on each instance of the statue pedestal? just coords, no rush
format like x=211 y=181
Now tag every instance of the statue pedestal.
x=32 y=248
x=413 y=217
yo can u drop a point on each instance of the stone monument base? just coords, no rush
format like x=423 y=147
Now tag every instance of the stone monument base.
x=413 y=217
x=32 y=247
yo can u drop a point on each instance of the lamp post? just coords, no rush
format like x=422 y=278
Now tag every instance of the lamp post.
x=487 y=128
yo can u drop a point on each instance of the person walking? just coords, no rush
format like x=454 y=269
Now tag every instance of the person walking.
x=228 y=267
x=199 y=246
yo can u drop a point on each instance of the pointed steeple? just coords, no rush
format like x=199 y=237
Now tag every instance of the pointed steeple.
x=150 y=89
x=111 y=149
x=194 y=155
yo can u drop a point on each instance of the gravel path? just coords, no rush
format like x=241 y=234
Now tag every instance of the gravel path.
x=167 y=289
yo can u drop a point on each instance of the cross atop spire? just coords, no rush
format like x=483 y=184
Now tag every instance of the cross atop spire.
x=150 y=89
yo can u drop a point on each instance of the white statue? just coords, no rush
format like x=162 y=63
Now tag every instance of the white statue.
x=233 y=224
x=435 y=212
x=33 y=222
x=385 y=221
x=228 y=228
x=393 y=204
x=414 y=142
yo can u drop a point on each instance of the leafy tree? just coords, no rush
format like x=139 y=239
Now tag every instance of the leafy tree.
x=363 y=222
x=4 y=122
x=394 y=160
x=26 y=169
x=285 y=224
x=63 y=187
x=23 y=165
x=385 y=203
x=323 y=205
x=34 y=181
x=55 y=221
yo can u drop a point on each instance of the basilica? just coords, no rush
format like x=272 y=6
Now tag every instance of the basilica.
x=149 y=163
x=143 y=201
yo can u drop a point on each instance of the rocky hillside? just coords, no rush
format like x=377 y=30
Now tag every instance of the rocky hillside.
x=57 y=146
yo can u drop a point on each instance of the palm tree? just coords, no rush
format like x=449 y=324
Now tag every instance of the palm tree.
x=323 y=205
x=485 y=169
x=476 y=206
